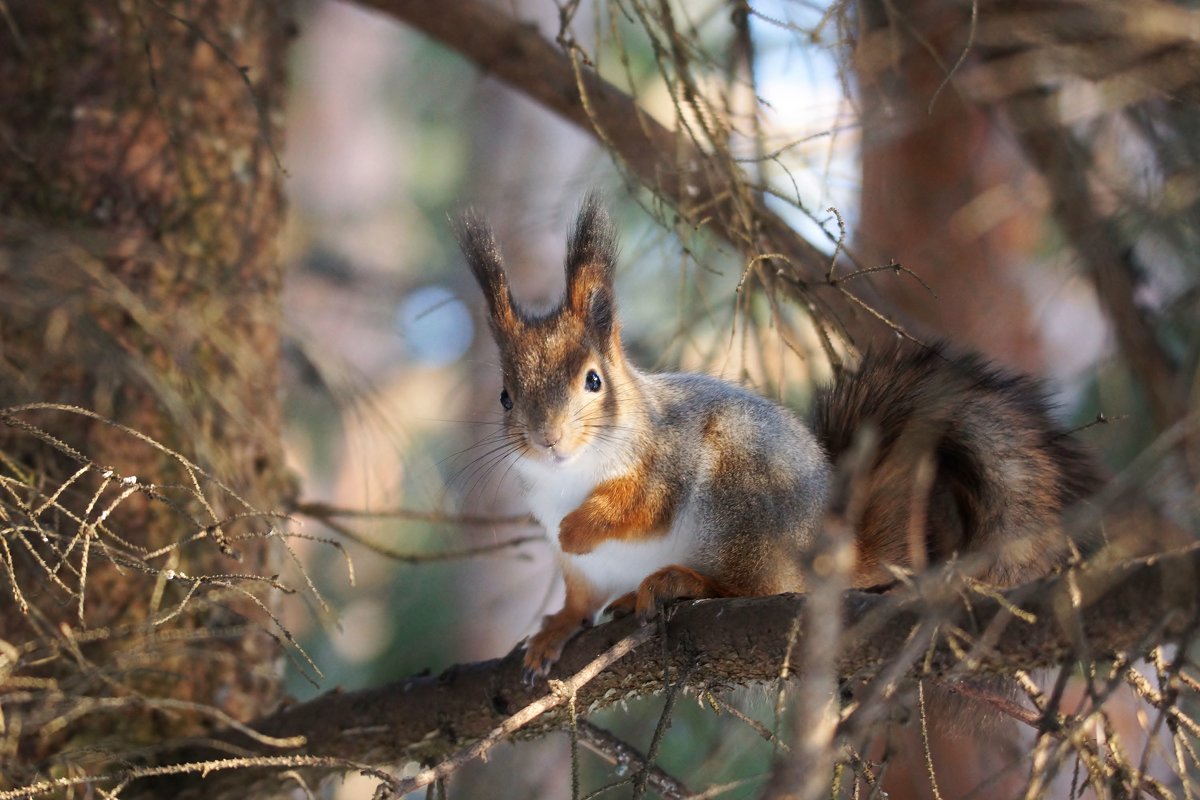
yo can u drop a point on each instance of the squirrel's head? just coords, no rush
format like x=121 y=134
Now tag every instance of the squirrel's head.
x=561 y=368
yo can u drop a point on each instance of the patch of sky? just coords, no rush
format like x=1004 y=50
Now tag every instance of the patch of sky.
x=811 y=133
x=435 y=326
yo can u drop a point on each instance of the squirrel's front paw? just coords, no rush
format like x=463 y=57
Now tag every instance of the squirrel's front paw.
x=577 y=534
x=540 y=656
x=546 y=646
x=623 y=606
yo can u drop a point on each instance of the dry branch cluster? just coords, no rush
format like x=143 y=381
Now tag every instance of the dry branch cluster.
x=78 y=543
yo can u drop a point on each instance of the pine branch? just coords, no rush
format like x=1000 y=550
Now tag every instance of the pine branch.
x=1094 y=613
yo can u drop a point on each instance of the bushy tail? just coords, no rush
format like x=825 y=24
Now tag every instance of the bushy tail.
x=966 y=461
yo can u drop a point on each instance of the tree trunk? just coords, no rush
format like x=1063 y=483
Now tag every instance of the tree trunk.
x=140 y=200
x=945 y=192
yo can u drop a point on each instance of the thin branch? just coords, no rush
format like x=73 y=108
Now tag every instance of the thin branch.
x=422 y=557
x=560 y=692
x=762 y=730
x=627 y=758
x=641 y=779
x=324 y=511
x=205 y=769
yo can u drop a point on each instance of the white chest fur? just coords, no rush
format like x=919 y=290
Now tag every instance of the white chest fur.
x=614 y=567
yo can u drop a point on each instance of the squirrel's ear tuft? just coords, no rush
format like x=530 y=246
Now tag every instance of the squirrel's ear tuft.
x=478 y=244
x=591 y=261
x=601 y=316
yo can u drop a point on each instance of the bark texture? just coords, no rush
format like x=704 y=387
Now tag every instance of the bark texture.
x=140 y=199
x=1091 y=614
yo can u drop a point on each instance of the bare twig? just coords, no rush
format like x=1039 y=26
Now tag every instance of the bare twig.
x=560 y=692
x=324 y=511
x=204 y=768
x=628 y=759
x=641 y=778
x=422 y=557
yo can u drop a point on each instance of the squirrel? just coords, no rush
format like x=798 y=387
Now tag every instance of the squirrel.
x=658 y=487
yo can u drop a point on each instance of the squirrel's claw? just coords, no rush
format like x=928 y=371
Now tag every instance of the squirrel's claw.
x=530 y=676
x=623 y=606
x=538 y=661
x=531 y=672
x=544 y=647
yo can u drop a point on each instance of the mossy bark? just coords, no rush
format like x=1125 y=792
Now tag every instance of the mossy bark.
x=140 y=203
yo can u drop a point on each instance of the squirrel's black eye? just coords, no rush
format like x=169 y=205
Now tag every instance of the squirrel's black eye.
x=505 y=400
x=592 y=381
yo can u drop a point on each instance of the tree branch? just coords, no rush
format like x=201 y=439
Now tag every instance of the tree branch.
x=626 y=758
x=1092 y=613
x=1109 y=264
x=667 y=162
x=1116 y=46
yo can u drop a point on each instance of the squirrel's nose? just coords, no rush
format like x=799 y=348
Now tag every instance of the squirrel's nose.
x=548 y=437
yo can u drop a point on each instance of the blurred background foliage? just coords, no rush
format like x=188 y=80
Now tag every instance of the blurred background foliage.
x=391 y=376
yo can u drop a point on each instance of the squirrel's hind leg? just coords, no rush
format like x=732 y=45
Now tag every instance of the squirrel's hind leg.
x=675 y=582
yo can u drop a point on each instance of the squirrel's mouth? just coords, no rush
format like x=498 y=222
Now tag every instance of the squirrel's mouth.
x=556 y=456
x=559 y=453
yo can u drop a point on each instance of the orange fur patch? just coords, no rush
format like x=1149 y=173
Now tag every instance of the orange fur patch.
x=628 y=508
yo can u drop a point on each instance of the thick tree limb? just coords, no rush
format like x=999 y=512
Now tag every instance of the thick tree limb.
x=1093 y=613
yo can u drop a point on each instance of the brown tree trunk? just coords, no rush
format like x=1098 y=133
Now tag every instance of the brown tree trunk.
x=140 y=199
x=945 y=191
